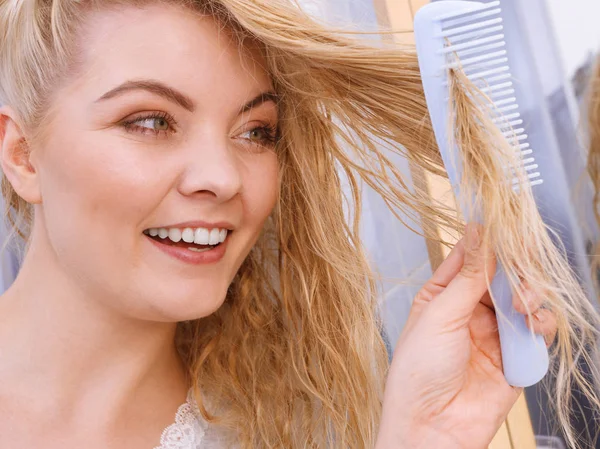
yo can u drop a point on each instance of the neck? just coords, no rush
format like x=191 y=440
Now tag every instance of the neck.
x=63 y=347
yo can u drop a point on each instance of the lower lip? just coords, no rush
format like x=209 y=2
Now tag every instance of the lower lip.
x=191 y=257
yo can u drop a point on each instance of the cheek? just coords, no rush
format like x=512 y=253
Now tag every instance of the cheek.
x=95 y=189
x=261 y=189
x=98 y=173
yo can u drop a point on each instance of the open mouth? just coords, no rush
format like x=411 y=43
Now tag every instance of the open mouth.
x=197 y=240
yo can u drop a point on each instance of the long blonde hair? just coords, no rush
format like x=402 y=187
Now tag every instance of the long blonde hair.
x=295 y=355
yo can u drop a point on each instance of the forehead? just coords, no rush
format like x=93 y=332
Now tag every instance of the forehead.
x=170 y=43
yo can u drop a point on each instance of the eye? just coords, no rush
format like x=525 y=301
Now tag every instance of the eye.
x=258 y=135
x=262 y=135
x=156 y=123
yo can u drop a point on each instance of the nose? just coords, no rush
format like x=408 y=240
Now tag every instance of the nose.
x=212 y=168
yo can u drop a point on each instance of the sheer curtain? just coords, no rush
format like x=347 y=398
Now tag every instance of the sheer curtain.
x=398 y=254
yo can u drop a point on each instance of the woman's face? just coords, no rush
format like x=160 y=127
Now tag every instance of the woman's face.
x=169 y=129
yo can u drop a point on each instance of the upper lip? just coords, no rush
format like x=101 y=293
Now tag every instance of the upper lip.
x=199 y=224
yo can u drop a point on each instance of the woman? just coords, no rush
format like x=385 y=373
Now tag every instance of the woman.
x=173 y=167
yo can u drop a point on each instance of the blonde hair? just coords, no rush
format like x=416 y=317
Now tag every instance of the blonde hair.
x=296 y=354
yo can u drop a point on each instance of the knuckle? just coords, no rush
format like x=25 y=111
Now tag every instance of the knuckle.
x=544 y=322
x=518 y=304
x=527 y=301
x=471 y=270
x=422 y=296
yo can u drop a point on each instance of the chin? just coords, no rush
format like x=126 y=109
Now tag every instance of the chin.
x=178 y=305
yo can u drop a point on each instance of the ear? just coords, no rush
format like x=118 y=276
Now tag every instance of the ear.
x=15 y=158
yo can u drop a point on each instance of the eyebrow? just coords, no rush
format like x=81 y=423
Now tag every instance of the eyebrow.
x=173 y=95
x=155 y=87
x=264 y=97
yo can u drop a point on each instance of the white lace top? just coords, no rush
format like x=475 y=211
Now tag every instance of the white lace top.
x=191 y=431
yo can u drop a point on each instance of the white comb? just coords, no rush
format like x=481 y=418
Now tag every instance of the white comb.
x=472 y=32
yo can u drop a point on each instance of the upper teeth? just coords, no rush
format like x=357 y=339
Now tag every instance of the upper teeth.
x=199 y=236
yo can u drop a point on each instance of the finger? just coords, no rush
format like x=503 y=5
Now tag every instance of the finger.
x=447 y=270
x=526 y=300
x=486 y=300
x=543 y=322
x=468 y=287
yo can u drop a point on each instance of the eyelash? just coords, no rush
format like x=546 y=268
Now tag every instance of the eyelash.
x=271 y=136
x=270 y=140
x=130 y=125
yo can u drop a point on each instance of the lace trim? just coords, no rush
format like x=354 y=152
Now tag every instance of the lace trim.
x=187 y=432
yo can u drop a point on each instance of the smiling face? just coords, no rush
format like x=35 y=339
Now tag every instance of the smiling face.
x=158 y=169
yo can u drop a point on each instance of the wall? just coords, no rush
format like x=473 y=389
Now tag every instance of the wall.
x=577 y=27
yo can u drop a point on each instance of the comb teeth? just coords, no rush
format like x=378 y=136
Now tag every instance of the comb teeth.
x=475 y=43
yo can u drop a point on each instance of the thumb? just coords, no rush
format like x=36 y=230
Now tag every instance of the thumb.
x=458 y=301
